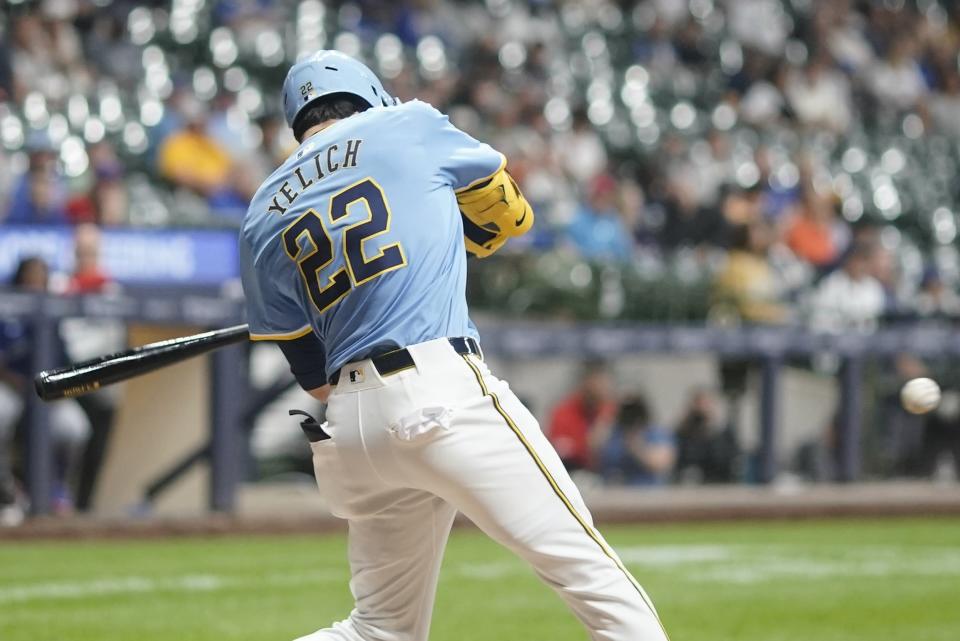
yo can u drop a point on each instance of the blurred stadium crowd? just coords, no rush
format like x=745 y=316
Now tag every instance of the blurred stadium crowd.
x=799 y=171
x=760 y=161
x=615 y=438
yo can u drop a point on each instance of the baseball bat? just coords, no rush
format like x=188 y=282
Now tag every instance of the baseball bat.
x=88 y=376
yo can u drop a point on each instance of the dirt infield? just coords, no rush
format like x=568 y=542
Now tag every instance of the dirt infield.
x=620 y=505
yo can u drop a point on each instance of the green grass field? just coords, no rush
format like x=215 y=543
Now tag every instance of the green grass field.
x=805 y=581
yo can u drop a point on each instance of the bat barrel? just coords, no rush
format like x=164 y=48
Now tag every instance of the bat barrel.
x=88 y=376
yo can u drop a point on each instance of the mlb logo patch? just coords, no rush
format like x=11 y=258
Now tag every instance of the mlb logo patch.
x=356 y=375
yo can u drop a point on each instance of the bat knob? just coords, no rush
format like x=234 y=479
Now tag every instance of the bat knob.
x=39 y=384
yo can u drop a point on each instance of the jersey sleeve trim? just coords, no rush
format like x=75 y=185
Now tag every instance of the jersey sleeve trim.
x=503 y=164
x=303 y=331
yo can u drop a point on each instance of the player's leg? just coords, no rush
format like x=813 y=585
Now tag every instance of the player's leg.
x=10 y=408
x=496 y=467
x=69 y=430
x=396 y=535
x=395 y=559
x=575 y=559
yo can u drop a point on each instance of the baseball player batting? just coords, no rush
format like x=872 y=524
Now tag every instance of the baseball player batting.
x=354 y=261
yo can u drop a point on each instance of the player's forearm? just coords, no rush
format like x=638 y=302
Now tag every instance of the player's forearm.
x=307 y=359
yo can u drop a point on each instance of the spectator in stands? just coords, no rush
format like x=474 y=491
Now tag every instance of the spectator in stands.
x=581 y=151
x=277 y=144
x=817 y=459
x=83 y=339
x=760 y=90
x=33 y=49
x=746 y=15
x=69 y=425
x=635 y=450
x=6 y=70
x=636 y=216
x=6 y=180
x=746 y=290
x=581 y=418
x=707 y=449
x=551 y=194
x=897 y=80
x=913 y=445
x=654 y=47
x=845 y=36
x=820 y=96
x=40 y=194
x=686 y=223
x=747 y=285
x=884 y=269
x=13 y=351
x=108 y=45
x=850 y=298
x=171 y=121
x=742 y=206
x=939 y=456
x=701 y=169
x=944 y=106
x=88 y=276
x=935 y=299
x=597 y=230
x=222 y=125
x=232 y=200
x=813 y=232
x=190 y=158
x=109 y=195
x=714 y=165
x=691 y=44
x=105 y=201
x=11 y=405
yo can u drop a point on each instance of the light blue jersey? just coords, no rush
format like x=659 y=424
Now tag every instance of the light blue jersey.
x=358 y=237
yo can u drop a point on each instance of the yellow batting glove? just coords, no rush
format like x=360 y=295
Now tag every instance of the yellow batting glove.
x=493 y=212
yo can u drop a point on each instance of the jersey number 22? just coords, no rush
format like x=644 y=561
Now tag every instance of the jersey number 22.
x=318 y=251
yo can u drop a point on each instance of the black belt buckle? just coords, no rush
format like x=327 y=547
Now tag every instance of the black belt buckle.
x=465 y=345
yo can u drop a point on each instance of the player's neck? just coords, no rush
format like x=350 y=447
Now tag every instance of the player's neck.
x=318 y=128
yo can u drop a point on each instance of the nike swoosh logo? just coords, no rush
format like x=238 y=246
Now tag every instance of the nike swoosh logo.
x=519 y=221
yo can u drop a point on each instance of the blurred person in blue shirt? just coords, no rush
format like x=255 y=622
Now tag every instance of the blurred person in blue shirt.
x=597 y=230
x=636 y=451
x=69 y=425
x=40 y=195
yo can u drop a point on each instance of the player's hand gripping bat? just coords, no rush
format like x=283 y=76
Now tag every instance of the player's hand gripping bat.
x=88 y=376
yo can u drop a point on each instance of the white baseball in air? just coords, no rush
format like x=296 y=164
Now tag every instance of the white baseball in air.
x=920 y=395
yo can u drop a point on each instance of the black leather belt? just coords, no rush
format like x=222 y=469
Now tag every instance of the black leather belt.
x=400 y=359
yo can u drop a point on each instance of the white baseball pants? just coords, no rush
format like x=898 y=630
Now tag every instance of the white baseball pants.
x=411 y=449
